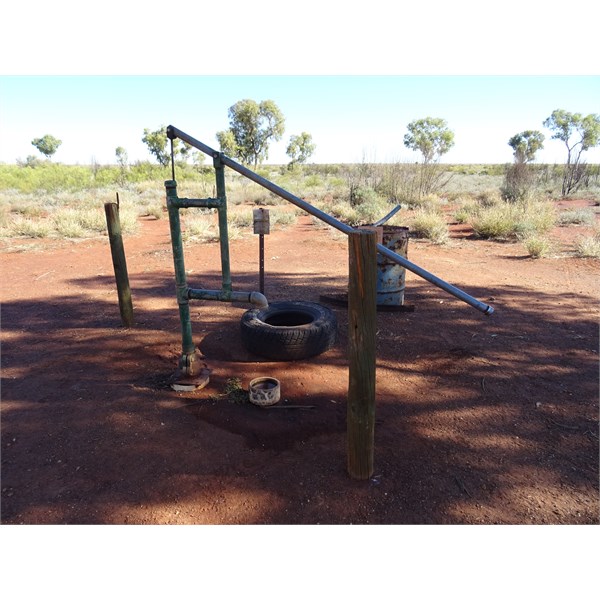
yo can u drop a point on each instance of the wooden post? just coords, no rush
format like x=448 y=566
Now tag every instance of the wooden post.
x=118 y=258
x=261 y=227
x=261 y=263
x=362 y=321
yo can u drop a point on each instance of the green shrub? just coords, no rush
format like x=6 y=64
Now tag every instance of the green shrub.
x=466 y=212
x=489 y=198
x=495 y=222
x=519 y=182
x=282 y=218
x=537 y=246
x=67 y=223
x=507 y=220
x=430 y=225
x=582 y=216
x=588 y=246
x=241 y=218
x=93 y=219
x=362 y=195
x=198 y=227
x=30 y=228
x=313 y=181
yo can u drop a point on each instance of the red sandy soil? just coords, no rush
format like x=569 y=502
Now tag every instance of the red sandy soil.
x=478 y=419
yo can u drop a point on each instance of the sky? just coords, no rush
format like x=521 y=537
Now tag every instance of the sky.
x=353 y=79
x=350 y=117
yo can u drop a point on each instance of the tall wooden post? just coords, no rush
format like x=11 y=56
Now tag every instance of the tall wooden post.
x=120 y=265
x=362 y=321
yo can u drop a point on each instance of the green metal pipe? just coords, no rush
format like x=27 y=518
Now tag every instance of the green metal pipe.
x=188 y=346
x=173 y=132
x=197 y=202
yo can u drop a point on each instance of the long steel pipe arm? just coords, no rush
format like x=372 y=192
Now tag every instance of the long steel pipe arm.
x=173 y=132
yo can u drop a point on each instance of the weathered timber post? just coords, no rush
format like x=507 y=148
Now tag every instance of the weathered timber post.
x=120 y=265
x=362 y=317
x=261 y=227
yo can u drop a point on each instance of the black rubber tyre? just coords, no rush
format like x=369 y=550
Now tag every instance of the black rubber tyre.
x=289 y=330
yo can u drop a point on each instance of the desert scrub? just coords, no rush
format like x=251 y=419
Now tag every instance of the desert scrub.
x=281 y=218
x=241 y=218
x=25 y=227
x=344 y=212
x=4 y=215
x=581 y=216
x=95 y=220
x=427 y=202
x=508 y=220
x=430 y=225
x=365 y=213
x=318 y=223
x=589 y=245
x=66 y=223
x=152 y=210
x=537 y=246
x=466 y=212
x=488 y=198
x=199 y=227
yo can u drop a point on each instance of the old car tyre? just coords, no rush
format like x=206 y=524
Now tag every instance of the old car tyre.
x=290 y=330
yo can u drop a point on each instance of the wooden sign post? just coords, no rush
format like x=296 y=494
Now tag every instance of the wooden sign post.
x=262 y=228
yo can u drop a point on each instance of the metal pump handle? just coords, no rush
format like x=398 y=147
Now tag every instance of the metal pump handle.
x=173 y=132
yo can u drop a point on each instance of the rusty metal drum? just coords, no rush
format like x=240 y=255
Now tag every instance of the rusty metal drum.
x=391 y=277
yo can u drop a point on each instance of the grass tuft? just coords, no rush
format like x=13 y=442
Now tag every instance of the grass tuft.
x=430 y=225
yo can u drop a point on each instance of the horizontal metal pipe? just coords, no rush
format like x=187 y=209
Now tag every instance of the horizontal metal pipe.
x=197 y=202
x=232 y=164
x=447 y=287
x=309 y=208
x=255 y=298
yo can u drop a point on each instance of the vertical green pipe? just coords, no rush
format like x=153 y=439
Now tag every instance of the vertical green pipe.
x=223 y=233
x=180 y=278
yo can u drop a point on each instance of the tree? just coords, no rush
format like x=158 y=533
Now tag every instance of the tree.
x=31 y=161
x=47 y=145
x=122 y=161
x=579 y=134
x=300 y=148
x=198 y=159
x=519 y=180
x=432 y=138
x=526 y=144
x=121 y=155
x=252 y=126
x=158 y=145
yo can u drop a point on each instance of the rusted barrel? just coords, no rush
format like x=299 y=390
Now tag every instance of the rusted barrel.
x=391 y=277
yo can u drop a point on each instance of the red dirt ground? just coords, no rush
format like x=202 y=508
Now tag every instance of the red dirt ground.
x=478 y=420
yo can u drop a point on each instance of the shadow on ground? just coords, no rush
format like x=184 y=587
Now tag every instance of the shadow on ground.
x=479 y=420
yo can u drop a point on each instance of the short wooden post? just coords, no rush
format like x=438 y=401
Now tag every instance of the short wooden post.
x=362 y=321
x=120 y=265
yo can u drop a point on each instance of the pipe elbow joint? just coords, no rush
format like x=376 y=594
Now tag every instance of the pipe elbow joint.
x=258 y=299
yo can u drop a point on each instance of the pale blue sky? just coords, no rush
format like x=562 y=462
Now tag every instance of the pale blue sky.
x=349 y=117
x=353 y=75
